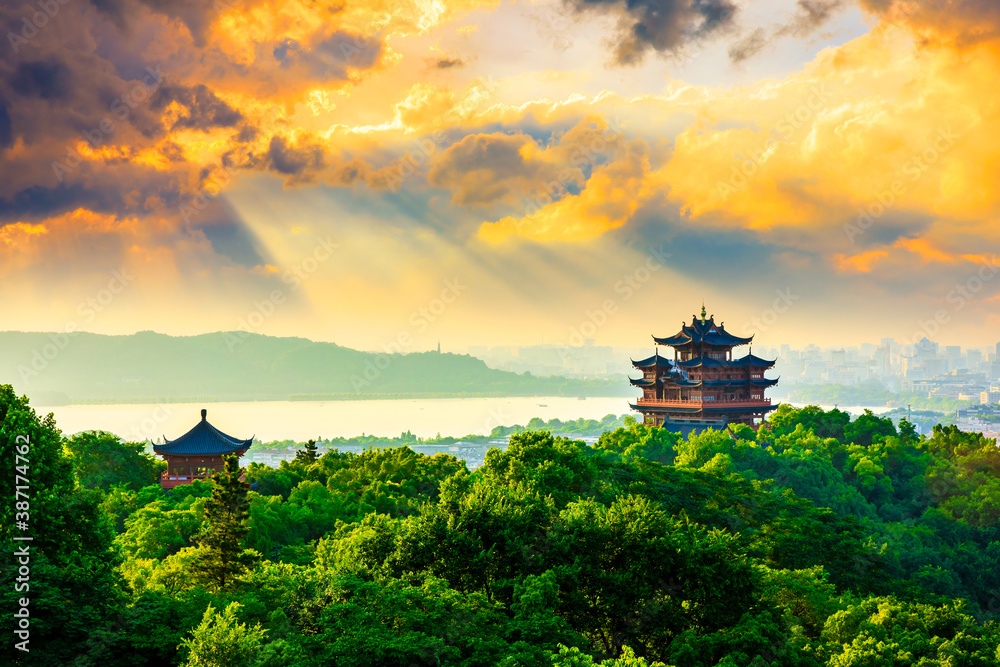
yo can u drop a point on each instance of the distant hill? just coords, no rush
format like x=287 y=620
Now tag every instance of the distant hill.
x=57 y=369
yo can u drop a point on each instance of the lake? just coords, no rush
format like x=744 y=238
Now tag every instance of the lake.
x=301 y=420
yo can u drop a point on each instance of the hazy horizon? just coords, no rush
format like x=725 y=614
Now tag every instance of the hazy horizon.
x=571 y=341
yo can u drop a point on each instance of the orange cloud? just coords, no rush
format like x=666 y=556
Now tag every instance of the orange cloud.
x=860 y=263
x=610 y=197
x=923 y=247
x=19 y=232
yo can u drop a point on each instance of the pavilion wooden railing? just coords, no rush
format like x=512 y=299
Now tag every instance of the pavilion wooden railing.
x=186 y=477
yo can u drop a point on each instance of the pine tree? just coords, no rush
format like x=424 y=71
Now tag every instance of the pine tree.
x=308 y=455
x=222 y=556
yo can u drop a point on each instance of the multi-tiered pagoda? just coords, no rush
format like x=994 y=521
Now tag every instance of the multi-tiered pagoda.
x=702 y=386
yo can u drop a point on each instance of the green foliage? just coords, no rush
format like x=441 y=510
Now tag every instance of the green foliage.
x=817 y=541
x=101 y=460
x=885 y=631
x=308 y=453
x=222 y=557
x=574 y=657
x=578 y=427
x=74 y=585
x=638 y=440
x=220 y=640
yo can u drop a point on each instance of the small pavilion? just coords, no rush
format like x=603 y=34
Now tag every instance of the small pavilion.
x=198 y=453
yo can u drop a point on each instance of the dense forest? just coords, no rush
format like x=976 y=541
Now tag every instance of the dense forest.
x=816 y=541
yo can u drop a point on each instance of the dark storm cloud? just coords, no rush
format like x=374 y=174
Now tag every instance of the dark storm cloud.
x=78 y=95
x=39 y=201
x=811 y=15
x=203 y=108
x=330 y=57
x=664 y=26
x=195 y=15
x=974 y=20
x=56 y=93
x=47 y=79
x=6 y=131
x=297 y=161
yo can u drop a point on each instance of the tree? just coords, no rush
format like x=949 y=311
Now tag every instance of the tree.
x=222 y=556
x=102 y=460
x=634 y=439
x=74 y=585
x=308 y=454
x=221 y=641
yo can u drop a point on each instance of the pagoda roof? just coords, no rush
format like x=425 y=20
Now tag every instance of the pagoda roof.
x=203 y=439
x=764 y=383
x=703 y=332
x=751 y=360
x=655 y=360
x=642 y=382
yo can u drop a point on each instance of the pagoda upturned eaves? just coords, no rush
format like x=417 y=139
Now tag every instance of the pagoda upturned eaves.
x=703 y=385
x=198 y=454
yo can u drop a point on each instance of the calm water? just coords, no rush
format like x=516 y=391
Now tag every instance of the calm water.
x=300 y=420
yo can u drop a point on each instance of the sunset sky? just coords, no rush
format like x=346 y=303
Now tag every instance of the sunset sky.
x=486 y=172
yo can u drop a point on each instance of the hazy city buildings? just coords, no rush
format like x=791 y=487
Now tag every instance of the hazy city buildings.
x=925 y=367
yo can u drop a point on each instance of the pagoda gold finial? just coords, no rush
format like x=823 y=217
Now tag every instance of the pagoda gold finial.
x=702 y=311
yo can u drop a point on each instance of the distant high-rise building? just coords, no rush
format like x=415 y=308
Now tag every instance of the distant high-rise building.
x=924 y=349
x=883 y=360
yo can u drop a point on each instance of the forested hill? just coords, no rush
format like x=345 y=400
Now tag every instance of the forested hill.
x=227 y=366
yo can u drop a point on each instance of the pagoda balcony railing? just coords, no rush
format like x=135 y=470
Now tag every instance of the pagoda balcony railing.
x=190 y=477
x=658 y=403
x=185 y=477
